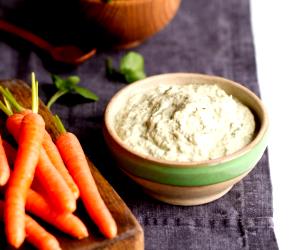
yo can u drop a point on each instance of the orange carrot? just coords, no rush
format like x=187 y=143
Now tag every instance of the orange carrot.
x=13 y=124
x=38 y=236
x=37 y=205
x=30 y=141
x=49 y=177
x=57 y=161
x=48 y=144
x=75 y=160
x=4 y=167
x=66 y=222
x=54 y=184
x=38 y=187
x=35 y=234
x=52 y=153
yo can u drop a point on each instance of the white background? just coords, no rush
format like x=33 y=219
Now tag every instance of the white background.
x=276 y=28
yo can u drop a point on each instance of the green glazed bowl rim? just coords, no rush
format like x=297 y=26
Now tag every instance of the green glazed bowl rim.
x=264 y=121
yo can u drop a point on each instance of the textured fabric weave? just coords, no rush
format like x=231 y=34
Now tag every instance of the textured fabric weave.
x=206 y=36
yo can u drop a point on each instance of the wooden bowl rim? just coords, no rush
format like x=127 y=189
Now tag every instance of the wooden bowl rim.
x=125 y=2
x=264 y=122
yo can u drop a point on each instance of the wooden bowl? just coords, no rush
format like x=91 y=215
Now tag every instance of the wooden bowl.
x=227 y=170
x=127 y=23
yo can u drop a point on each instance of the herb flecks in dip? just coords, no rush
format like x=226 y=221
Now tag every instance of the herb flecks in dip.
x=185 y=123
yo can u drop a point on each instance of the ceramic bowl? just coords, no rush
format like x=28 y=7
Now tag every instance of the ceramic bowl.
x=198 y=182
x=127 y=23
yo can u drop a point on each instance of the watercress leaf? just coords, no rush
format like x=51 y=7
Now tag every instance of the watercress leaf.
x=132 y=67
x=58 y=94
x=58 y=81
x=70 y=82
x=55 y=77
x=109 y=68
x=85 y=93
x=134 y=76
x=113 y=73
x=73 y=80
x=132 y=62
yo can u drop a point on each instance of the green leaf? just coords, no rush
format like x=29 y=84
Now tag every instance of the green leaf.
x=109 y=68
x=58 y=81
x=134 y=76
x=131 y=62
x=85 y=93
x=65 y=84
x=73 y=80
x=132 y=67
x=70 y=84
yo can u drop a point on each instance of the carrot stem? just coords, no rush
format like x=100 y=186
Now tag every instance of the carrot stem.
x=35 y=94
x=5 y=109
x=13 y=101
x=7 y=104
x=9 y=96
x=59 y=124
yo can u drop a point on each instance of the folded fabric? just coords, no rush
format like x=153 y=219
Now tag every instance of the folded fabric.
x=206 y=36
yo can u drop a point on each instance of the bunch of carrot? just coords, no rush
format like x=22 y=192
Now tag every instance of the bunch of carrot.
x=45 y=180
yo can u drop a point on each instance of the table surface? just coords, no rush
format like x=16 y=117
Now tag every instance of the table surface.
x=277 y=39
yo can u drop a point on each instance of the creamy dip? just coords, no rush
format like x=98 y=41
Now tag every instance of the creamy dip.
x=185 y=123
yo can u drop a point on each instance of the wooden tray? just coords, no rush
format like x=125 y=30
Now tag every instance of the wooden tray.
x=130 y=234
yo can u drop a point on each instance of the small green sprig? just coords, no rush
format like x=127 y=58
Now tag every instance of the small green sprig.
x=131 y=67
x=69 y=85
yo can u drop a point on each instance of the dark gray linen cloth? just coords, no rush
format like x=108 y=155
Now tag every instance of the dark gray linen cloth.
x=206 y=36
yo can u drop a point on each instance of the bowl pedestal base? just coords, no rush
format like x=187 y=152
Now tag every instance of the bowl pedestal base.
x=188 y=201
x=183 y=195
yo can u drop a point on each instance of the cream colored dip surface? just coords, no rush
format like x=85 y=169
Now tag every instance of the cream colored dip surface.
x=185 y=123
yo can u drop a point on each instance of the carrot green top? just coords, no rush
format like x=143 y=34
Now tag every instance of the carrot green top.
x=9 y=99
x=59 y=124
